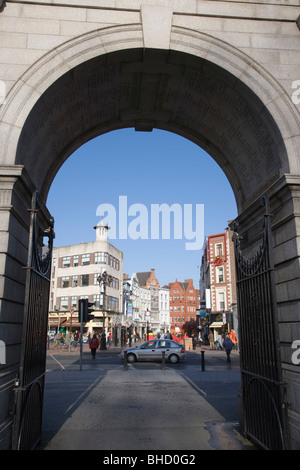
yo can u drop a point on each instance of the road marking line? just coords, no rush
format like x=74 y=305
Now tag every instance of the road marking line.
x=57 y=362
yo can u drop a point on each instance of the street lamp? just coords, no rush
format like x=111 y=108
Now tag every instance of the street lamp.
x=103 y=279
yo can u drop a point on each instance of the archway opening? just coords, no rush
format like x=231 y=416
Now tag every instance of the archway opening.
x=148 y=168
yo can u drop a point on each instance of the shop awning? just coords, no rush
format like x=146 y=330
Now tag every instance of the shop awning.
x=217 y=324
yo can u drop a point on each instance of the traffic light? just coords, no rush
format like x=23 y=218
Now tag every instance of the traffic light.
x=85 y=311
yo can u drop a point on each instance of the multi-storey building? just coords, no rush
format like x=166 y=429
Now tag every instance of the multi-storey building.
x=75 y=272
x=164 y=309
x=218 y=282
x=137 y=304
x=149 y=284
x=184 y=303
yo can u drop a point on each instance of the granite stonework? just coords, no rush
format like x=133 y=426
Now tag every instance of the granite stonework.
x=224 y=74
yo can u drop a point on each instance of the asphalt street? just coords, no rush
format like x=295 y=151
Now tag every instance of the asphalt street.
x=144 y=408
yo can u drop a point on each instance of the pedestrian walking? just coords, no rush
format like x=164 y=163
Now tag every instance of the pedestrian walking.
x=234 y=339
x=168 y=335
x=94 y=345
x=227 y=344
x=109 y=338
x=211 y=339
x=195 y=339
x=75 y=339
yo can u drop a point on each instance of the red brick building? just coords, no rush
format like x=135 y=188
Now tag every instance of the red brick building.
x=184 y=301
x=218 y=282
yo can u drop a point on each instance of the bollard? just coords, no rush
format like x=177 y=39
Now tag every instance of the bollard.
x=202 y=361
x=163 y=353
x=125 y=360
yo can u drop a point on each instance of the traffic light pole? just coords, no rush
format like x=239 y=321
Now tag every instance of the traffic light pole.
x=81 y=313
x=85 y=315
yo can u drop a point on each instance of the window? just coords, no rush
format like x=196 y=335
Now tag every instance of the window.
x=85 y=280
x=149 y=345
x=98 y=299
x=164 y=344
x=75 y=260
x=115 y=283
x=74 y=301
x=220 y=274
x=66 y=262
x=64 y=303
x=112 y=303
x=100 y=258
x=85 y=259
x=219 y=249
x=222 y=301
x=65 y=281
x=75 y=281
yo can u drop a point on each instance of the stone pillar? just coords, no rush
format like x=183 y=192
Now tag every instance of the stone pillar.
x=16 y=192
x=285 y=205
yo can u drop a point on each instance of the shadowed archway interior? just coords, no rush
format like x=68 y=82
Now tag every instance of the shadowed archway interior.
x=146 y=89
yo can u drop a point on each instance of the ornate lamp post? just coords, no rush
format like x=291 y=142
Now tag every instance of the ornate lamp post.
x=103 y=279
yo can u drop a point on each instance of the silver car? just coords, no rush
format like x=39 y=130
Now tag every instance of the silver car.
x=152 y=350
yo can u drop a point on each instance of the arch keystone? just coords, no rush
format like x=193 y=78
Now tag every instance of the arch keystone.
x=157 y=23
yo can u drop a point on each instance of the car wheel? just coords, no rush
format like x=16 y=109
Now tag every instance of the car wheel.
x=131 y=358
x=173 y=359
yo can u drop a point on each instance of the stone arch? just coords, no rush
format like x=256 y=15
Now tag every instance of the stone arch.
x=183 y=89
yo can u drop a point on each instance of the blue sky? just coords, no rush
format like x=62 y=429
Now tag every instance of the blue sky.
x=148 y=168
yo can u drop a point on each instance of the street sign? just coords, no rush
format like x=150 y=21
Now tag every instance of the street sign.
x=147 y=313
x=129 y=309
x=71 y=310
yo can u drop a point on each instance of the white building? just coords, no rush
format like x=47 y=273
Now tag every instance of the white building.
x=75 y=272
x=164 y=309
x=141 y=301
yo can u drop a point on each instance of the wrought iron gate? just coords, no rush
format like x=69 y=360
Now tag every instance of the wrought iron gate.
x=29 y=389
x=262 y=386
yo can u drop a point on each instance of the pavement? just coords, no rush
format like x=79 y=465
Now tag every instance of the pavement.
x=146 y=408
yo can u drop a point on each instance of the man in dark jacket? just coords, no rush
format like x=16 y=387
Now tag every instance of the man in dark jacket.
x=227 y=345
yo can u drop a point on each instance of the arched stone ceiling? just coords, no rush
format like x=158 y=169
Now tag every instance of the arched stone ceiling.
x=149 y=89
